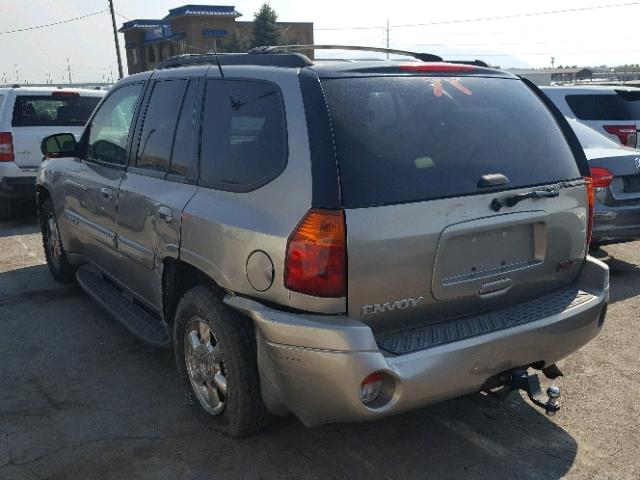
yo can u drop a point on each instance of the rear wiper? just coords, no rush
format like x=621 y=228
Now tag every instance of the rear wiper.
x=549 y=192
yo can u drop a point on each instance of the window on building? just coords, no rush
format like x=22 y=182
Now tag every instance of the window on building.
x=159 y=125
x=134 y=56
x=244 y=140
x=151 y=54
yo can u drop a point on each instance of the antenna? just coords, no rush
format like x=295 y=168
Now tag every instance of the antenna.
x=387 y=38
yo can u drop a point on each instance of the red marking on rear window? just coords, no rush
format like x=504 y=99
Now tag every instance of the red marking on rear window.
x=456 y=83
x=437 y=88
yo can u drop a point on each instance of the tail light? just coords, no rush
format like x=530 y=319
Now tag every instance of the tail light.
x=601 y=177
x=6 y=147
x=315 y=263
x=627 y=134
x=591 y=198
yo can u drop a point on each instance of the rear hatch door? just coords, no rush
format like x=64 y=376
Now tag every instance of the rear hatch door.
x=422 y=160
x=36 y=116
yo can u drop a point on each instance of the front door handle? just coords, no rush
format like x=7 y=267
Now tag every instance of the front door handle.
x=107 y=193
x=164 y=214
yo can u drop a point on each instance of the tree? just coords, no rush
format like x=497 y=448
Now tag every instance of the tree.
x=235 y=44
x=265 y=27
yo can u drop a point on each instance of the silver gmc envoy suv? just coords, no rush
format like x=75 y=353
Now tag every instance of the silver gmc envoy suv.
x=344 y=240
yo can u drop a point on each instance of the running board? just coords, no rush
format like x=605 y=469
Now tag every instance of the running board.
x=133 y=317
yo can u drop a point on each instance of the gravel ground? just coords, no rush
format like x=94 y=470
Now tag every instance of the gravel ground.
x=81 y=398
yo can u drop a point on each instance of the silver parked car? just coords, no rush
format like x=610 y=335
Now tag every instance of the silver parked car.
x=615 y=171
x=340 y=240
x=613 y=111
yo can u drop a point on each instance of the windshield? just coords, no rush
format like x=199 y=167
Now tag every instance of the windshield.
x=403 y=139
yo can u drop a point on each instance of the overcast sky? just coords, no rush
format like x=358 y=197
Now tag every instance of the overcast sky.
x=589 y=37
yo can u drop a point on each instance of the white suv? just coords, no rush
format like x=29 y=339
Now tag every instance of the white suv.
x=27 y=115
x=612 y=111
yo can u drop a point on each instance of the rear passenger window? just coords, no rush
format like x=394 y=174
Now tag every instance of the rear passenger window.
x=243 y=134
x=620 y=106
x=60 y=109
x=160 y=124
x=185 y=139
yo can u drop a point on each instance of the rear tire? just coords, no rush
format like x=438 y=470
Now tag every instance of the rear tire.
x=59 y=266
x=215 y=351
x=6 y=208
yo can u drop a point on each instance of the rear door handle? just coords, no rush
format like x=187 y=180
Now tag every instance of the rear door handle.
x=164 y=214
x=107 y=193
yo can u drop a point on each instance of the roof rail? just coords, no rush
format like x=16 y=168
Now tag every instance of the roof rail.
x=272 y=60
x=477 y=63
x=425 y=57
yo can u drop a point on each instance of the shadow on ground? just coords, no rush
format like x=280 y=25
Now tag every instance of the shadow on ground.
x=81 y=398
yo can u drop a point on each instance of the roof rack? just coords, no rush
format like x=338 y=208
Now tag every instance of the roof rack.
x=295 y=60
x=477 y=63
x=425 y=57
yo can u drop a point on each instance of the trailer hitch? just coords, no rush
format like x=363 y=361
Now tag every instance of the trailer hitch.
x=519 y=379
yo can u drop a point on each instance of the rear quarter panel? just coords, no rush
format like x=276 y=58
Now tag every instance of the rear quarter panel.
x=221 y=229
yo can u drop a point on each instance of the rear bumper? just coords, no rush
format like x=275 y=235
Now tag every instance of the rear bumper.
x=312 y=365
x=16 y=182
x=616 y=224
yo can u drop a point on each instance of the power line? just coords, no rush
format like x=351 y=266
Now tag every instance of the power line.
x=486 y=19
x=25 y=29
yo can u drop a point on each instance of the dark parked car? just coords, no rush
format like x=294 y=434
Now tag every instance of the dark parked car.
x=615 y=171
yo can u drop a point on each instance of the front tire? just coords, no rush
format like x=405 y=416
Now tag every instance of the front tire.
x=215 y=353
x=59 y=266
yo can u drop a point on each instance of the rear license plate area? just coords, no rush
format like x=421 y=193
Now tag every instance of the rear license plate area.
x=631 y=183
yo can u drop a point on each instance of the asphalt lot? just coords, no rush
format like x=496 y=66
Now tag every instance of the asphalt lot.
x=81 y=398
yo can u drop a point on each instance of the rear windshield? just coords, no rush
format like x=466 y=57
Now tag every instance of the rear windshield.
x=620 y=106
x=404 y=139
x=49 y=111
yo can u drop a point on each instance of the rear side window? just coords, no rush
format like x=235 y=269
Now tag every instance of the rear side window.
x=620 y=106
x=405 y=139
x=185 y=141
x=52 y=111
x=243 y=134
x=160 y=124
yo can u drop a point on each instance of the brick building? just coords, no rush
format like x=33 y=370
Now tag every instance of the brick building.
x=194 y=29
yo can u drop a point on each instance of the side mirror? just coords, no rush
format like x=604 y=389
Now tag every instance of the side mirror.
x=59 y=145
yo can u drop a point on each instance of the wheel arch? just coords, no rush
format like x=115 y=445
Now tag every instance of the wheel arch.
x=179 y=276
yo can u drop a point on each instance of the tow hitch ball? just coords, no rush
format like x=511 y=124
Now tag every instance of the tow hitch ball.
x=521 y=380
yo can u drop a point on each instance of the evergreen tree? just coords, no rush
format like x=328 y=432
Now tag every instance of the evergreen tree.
x=235 y=44
x=265 y=27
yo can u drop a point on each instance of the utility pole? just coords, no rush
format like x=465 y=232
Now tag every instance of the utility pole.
x=553 y=62
x=387 y=38
x=69 y=71
x=17 y=74
x=115 y=37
